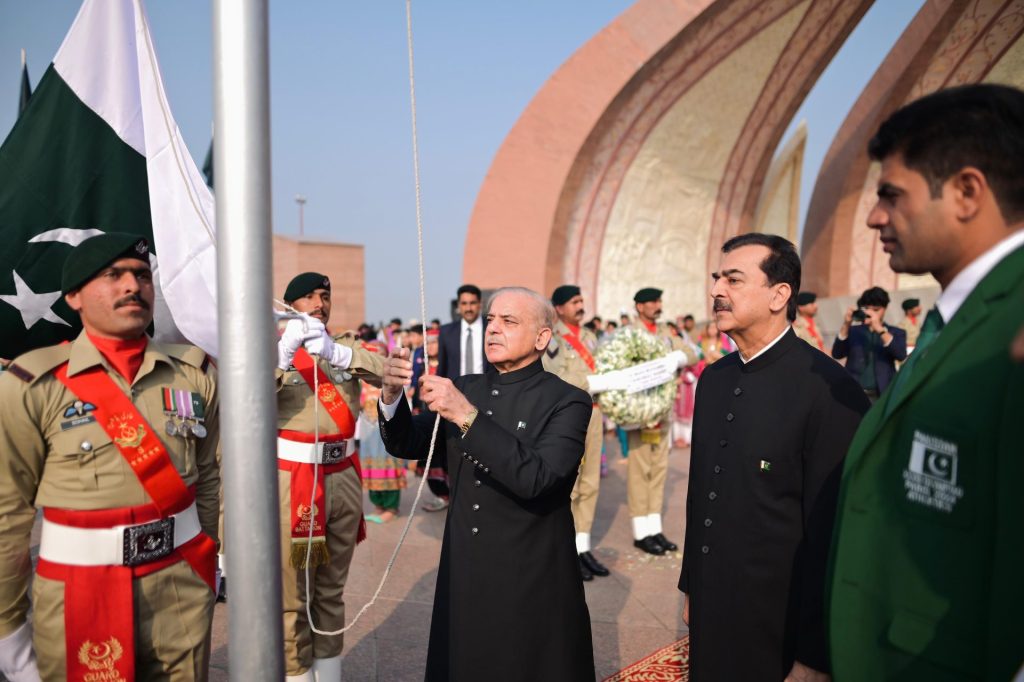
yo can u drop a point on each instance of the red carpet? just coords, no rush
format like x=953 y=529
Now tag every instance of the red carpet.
x=669 y=664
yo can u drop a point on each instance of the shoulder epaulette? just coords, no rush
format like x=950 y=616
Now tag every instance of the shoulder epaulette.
x=553 y=346
x=190 y=355
x=40 y=362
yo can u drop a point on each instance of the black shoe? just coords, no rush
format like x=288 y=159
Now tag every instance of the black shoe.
x=222 y=595
x=665 y=543
x=585 y=572
x=649 y=545
x=593 y=565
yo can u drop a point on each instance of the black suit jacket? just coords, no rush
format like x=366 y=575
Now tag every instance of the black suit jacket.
x=449 y=350
x=855 y=347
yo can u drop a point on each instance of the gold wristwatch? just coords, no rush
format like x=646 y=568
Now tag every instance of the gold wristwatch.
x=464 y=426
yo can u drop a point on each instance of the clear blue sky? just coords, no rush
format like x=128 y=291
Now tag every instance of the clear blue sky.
x=340 y=108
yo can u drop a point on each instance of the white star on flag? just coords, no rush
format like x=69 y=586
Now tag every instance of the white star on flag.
x=32 y=306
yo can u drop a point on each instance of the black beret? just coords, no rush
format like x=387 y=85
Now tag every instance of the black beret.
x=96 y=253
x=564 y=294
x=647 y=295
x=304 y=284
x=911 y=303
x=805 y=297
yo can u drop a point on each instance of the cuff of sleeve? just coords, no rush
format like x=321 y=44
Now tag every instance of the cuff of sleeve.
x=388 y=411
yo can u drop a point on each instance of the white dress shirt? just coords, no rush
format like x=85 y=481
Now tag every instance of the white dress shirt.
x=963 y=284
x=478 y=345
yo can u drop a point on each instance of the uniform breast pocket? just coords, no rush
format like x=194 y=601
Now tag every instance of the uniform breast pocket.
x=87 y=455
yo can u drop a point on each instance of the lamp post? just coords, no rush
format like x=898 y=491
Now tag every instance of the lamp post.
x=301 y=201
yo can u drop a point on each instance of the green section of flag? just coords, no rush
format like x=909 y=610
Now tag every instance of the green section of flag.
x=62 y=166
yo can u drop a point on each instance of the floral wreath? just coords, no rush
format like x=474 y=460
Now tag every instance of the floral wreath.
x=628 y=347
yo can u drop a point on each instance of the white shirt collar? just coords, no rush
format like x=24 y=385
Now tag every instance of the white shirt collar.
x=477 y=323
x=766 y=348
x=954 y=295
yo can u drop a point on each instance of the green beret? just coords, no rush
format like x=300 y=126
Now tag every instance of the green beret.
x=805 y=297
x=647 y=295
x=564 y=294
x=304 y=284
x=96 y=253
x=911 y=303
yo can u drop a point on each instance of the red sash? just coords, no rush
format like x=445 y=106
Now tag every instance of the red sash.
x=303 y=484
x=98 y=600
x=813 y=331
x=578 y=346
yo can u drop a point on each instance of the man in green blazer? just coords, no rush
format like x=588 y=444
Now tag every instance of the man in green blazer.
x=928 y=552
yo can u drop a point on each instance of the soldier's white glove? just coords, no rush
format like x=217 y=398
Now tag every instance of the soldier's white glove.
x=337 y=355
x=680 y=358
x=17 y=659
x=297 y=332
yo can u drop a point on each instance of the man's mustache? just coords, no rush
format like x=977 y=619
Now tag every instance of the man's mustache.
x=129 y=300
x=720 y=304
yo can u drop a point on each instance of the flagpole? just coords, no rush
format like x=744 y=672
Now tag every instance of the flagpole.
x=245 y=365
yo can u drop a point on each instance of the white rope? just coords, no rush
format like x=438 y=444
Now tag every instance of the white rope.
x=316 y=383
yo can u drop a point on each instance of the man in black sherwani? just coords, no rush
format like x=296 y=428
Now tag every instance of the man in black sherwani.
x=509 y=603
x=771 y=426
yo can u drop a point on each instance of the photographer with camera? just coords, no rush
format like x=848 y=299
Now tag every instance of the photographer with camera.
x=872 y=347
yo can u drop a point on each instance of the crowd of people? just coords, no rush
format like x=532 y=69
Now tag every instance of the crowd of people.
x=858 y=520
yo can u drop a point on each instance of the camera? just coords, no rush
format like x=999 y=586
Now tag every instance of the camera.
x=859 y=315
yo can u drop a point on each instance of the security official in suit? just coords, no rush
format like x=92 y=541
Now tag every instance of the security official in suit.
x=308 y=357
x=570 y=356
x=870 y=346
x=461 y=349
x=647 y=464
x=114 y=437
x=926 y=580
x=509 y=603
x=804 y=325
x=772 y=422
x=911 y=322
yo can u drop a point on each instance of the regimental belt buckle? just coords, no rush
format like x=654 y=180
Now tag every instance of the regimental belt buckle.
x=148 y=542
x=333 y=453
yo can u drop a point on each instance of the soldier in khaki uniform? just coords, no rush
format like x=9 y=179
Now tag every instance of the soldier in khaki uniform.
x=337 y=513
x=112 y=436
x=911 y=322
x=570 y=356
x=648 y=448
x=803 y=325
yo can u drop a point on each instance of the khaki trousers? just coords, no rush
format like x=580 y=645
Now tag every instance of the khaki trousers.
x=584 y=493
x=343 y=494
x=173 y=614
x=646 y=472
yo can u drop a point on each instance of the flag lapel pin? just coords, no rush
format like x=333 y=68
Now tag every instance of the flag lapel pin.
x=766 y=465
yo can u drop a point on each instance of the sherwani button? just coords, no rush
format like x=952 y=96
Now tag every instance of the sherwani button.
x=737 y=391
x=707 y=523
x=712 y=495
x=718 y=469
x=488 y=413
x=723 y=443
x=476 y=507
x=729 y=417
x=494 y=392
x=705 y=549
x=477 y=484
x=475 y=531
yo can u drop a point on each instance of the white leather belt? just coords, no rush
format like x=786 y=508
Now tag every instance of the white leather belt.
x=315 y=453
x=120 y=545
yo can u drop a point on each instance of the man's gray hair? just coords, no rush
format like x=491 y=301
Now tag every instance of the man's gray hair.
x=543 y=311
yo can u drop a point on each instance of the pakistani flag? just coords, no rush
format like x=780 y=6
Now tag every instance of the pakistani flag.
x=97 y=150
